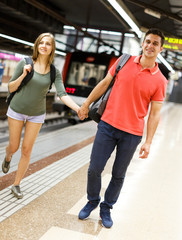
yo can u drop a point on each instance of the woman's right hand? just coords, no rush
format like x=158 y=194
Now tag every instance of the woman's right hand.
x=13 y=86
x=27 y=68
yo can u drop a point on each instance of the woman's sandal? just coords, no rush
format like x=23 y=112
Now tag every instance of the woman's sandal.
x=5 y=165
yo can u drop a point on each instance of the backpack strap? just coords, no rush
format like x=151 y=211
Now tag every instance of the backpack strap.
x=24 y=82
x=29 y=74
x=29 y=60
x=53 y=76
x=123 y=60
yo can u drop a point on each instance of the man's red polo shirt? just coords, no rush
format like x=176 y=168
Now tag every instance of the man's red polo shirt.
x=132 y=92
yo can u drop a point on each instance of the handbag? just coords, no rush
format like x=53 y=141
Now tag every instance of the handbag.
x=97 y=108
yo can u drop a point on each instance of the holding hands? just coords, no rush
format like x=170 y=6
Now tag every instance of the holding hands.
x=83 y=111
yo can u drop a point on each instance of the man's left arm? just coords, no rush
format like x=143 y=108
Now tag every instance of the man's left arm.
x=152 y=123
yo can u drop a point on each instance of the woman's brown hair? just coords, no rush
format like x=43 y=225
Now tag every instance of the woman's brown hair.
x=36 y=44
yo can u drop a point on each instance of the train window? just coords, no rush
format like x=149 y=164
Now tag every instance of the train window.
x=85 y=74
x=83 y=70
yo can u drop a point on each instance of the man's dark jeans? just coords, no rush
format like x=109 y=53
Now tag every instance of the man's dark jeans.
x=107 y=138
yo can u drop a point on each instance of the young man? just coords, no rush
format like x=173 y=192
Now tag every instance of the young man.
x=137 y=84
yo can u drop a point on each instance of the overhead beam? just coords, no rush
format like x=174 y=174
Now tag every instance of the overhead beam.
x=30 y=14
x=55 y=14
x=109 y=7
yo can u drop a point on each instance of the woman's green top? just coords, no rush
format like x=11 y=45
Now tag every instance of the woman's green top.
x=31 y=99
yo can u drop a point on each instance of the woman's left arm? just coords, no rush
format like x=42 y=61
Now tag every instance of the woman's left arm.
x=70 y=103
x=67 y=100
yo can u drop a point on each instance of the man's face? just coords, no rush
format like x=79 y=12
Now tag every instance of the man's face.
x=152 y=46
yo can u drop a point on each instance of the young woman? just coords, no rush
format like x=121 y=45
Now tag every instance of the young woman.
x=29 y=105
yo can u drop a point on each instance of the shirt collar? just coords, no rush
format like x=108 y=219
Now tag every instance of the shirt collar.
x=152 y=70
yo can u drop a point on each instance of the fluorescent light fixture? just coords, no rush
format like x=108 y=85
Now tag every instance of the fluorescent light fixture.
x=126 y=17
x=16 y=39
x=129 y=35
x=91 y=30
x=60 y=53
x=68 y=27
x=160 y=57
x=26 y=43
x=102 y=31
x=111 y=33
x=152 y=13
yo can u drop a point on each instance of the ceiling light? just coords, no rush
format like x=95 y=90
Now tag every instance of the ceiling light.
x=68 y=27
x=126 y=17
x=129 y=35
x=152 y=13
x=16 y=39
x=26 y=43
x=60 y=53
x=91 y=30
x=111 y=33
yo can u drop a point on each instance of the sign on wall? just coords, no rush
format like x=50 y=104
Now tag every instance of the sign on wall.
x=173 y=43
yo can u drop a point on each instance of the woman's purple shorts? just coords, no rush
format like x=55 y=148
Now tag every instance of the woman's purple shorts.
x=22 y=117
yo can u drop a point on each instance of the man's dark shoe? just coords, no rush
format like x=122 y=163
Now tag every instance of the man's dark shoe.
x=5 y=166
x=16 y=191
x=106 y=217
x=89 y=207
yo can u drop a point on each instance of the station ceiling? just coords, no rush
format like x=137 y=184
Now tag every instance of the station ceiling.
x=26 y=19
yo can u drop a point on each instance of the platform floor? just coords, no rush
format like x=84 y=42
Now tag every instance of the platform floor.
x=149 y=206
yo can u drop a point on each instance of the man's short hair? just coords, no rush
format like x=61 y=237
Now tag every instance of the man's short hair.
x=155 y=32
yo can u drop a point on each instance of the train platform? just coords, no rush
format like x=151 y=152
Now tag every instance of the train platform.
x=149 y=206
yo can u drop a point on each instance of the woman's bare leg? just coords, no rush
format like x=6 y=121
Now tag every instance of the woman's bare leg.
x=31 y=132
x=15 y=131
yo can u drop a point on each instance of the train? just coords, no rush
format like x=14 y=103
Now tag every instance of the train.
x=81 y=73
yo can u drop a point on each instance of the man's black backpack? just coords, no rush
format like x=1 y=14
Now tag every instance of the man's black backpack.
x=29 y=76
